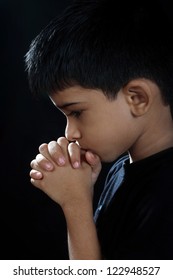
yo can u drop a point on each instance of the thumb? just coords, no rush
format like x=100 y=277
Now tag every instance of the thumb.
x=94 y=161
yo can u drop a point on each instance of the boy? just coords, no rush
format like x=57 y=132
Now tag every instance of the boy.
x=109 y=70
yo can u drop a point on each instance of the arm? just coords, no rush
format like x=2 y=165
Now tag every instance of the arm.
x=72 y=189
x=82 y=236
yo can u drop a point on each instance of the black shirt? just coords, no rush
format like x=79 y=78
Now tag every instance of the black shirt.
x=134 y=217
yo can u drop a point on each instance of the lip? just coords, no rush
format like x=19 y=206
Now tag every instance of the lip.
x=84 y=150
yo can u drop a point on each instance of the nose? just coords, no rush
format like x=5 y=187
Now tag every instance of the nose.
x=72 y=133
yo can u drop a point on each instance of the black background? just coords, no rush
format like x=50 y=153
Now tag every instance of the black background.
x=32 y=226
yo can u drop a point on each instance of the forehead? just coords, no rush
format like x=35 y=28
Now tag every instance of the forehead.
x=77 y=94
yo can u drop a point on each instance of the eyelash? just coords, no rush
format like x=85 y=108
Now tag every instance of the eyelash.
x=75 y=114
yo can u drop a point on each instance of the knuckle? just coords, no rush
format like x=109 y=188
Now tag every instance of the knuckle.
x=40 y=158
x=52 y=144
x=53 y=147
x=31 y=173
x=43 y=163
x=62 y=141
x=74 y=153
x=73 y=148
x=37 y=175
x=42 y=147
x=36 y=183
x=32 y=163
x=55 y=151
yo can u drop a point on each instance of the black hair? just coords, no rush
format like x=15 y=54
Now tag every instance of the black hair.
x=103 y=45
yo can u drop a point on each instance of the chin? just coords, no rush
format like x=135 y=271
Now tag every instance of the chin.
x=109 y=159
x=105 y=159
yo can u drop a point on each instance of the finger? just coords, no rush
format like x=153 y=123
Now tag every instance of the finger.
x=34 y=165
x=74 y=152
x=94 y=161
x=36 y=175
x=56 y=152
x=44 y=163
x=35 y=182
x=63 y=142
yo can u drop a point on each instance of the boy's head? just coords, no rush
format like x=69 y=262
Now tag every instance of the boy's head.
x=103 y=66
x=104 y=45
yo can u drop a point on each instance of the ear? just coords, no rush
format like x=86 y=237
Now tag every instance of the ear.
x=139 y=96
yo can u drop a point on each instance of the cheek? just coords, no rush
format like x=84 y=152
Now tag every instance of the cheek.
x=111 y=142
x=108 y=139
x=93 y=138
x=100 y=141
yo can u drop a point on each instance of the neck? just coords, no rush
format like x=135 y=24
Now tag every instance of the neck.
x=156 y=138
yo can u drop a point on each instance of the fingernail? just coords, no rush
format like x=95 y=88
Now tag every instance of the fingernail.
x=91 y=155
x=76 y=164
x=38 y=174
x=61 y=161
x=49 y=166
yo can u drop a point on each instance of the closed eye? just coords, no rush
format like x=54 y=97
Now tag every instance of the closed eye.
x=75 y=114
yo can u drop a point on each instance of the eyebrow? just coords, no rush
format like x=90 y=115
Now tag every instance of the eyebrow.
x=65 y=105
